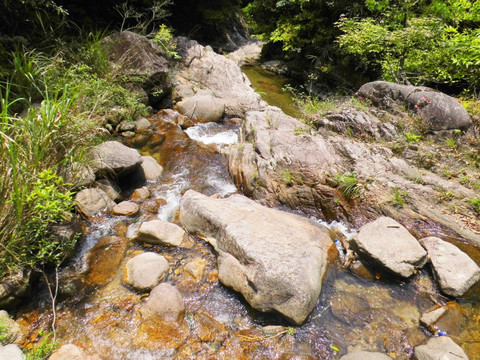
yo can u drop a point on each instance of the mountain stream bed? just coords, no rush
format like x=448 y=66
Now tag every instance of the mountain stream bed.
x=358 y=309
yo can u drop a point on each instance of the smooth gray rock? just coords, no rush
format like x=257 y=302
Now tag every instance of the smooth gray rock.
x=454 y=270
x=145 y=271
x=142 y=124
x=160 y=232
x=366 y=355
x=110 y=187
x=202 y=108
x=387 y=244
x=10 y=329
x=125 y=126
x=126 y=208
x=429 y=318
x=440 y=348
x=221 y=77
x=438 y=110
x=152 y=170
x=12 y=352
x=137 y=57
x=92 y=201
x=276 y=260
x=164 y=302
x=111 y=159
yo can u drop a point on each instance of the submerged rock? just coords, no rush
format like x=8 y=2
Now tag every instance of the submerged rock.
x=72 y=352
x=449 y=319
x=387 y=244
x=145 y=271
x=160 y=232
x=366 y=355
x=111 y=159
x=454 y=270
x=276 y=260
x=92 y=201
x=164 y=302
x=438 y=110
x=440 y=348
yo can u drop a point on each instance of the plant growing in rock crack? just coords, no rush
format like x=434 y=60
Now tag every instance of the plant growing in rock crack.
x=412 y=138
x=398 y=197
x=287 y=176
x=475 y=202
x=451 y=143
x=348 y=184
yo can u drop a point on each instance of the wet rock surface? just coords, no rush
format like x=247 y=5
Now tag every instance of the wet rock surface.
x=145 y=271
x=72 y=352
x=454 y=270
x=165 y=302
x=160 y=232
x=126 y=208
x=276 y=260
x=388 y=244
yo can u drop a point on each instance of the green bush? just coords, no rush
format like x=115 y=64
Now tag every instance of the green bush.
x=76 y=89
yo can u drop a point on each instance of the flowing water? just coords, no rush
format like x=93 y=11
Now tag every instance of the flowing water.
x=358 y=308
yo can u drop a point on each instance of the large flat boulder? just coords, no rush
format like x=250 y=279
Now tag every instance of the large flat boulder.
x=387 y=244
x=112 y=159
x=202 y=108
x=440 y=348
x=438 y=110
x=276 y=260
x=205 y=71
x=454 y=270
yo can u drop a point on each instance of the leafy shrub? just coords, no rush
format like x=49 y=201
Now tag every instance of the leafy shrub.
x=163 y=38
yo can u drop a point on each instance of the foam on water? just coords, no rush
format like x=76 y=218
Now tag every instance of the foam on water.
x=212 y=133
x=338 y=226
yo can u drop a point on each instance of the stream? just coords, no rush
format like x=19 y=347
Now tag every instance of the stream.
x=359 y=309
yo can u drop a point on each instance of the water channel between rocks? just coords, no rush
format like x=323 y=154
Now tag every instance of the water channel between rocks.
x=357 y=309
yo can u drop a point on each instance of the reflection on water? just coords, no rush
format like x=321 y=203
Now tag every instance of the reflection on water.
x=270 y=87
x=365 y=310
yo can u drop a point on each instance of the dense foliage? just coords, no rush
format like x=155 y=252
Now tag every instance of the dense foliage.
x=419 y=41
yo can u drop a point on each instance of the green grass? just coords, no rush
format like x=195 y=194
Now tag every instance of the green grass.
x=348 y=184
x=476 y=204
x=398 y=197
x=75 y=90
x=412 y=138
